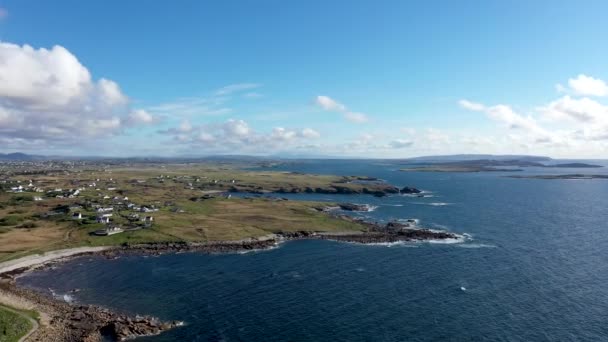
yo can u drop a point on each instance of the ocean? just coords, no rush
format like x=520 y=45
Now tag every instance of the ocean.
x=534 y=267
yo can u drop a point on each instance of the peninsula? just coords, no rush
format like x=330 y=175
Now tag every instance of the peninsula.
x=53 y=210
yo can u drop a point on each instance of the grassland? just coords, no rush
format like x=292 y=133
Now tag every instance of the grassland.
x=13 y=325
x=177 y=194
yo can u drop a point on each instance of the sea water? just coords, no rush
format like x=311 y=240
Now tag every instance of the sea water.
x=534 y=267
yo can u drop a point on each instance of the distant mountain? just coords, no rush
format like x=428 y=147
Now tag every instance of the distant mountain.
x=574 y=165
x=17 y=156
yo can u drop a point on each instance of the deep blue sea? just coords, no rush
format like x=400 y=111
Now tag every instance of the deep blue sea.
x=535 y=268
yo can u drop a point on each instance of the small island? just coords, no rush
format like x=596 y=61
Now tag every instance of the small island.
x=569 y=176
x=490 y=165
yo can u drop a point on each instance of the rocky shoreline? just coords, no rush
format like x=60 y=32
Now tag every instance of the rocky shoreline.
x=73 y=322
x=61 y=321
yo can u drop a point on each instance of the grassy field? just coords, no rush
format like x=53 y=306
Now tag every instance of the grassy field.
x=28 y=226
x=12 y=326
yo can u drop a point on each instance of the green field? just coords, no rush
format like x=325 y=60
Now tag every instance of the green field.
x=28 y=226
x=12 y=325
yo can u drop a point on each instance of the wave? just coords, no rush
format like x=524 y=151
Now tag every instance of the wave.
x=68 y=298
x=434 y=204
x=477 y=245
x=458 y=240
x=258 y=250
x=412 y=221
x=412 y=244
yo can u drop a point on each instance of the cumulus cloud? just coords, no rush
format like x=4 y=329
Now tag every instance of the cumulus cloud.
x=48 y=95
x=577 y=109
x=310 y=133
x=570 y=122
x=588 y=86
x=331 y=105
x=504 y=114
x=237 y=135
x=140 y=116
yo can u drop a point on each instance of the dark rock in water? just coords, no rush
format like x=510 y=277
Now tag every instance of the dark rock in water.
x=354 y=207
x=410 y=190
x=344 y=190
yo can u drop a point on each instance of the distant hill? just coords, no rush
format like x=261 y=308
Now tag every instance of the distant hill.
x=17 y=156
x=477 y=157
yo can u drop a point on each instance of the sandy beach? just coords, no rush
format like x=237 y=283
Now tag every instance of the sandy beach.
x=39 y=259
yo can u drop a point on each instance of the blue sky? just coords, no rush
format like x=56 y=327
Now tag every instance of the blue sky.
x=356 y=78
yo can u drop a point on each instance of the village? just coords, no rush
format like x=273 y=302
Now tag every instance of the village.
x=102 y=201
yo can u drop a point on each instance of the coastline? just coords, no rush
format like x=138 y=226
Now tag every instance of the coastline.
x=61 y=321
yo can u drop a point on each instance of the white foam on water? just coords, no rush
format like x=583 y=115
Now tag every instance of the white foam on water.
x=393 y=244
x=460 y=238
x=65 y=297
x=476 y=245
x=416 y=221
x=393 y=205
x=258 y=250
x=68 y=298
x=434 y=204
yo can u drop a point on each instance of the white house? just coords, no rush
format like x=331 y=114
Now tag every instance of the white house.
x=103 y=219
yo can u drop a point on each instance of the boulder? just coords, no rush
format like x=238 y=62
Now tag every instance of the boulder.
x=410 y=190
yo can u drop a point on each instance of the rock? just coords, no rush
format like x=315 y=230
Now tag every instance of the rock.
x=77 y=316
x=354 y=207
x=410 y=190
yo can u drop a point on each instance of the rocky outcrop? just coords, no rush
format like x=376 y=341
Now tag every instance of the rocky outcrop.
x=354 y=207
x=85 y=323
x=410 y=190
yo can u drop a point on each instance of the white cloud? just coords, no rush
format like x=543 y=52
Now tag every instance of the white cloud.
x=355 y=117
x=466 y=104
x=192 y=106
x=401 y=143
x=236 y=128
x=310 y=133
x=235 y=135
x=110 y=93
x=588 y=86
x=504 y=114
x=140 y=116
x=576 y=109
x=185 y=126
x=252 y=95
x=234 y=88
x=48 y=95
x=331 y=105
